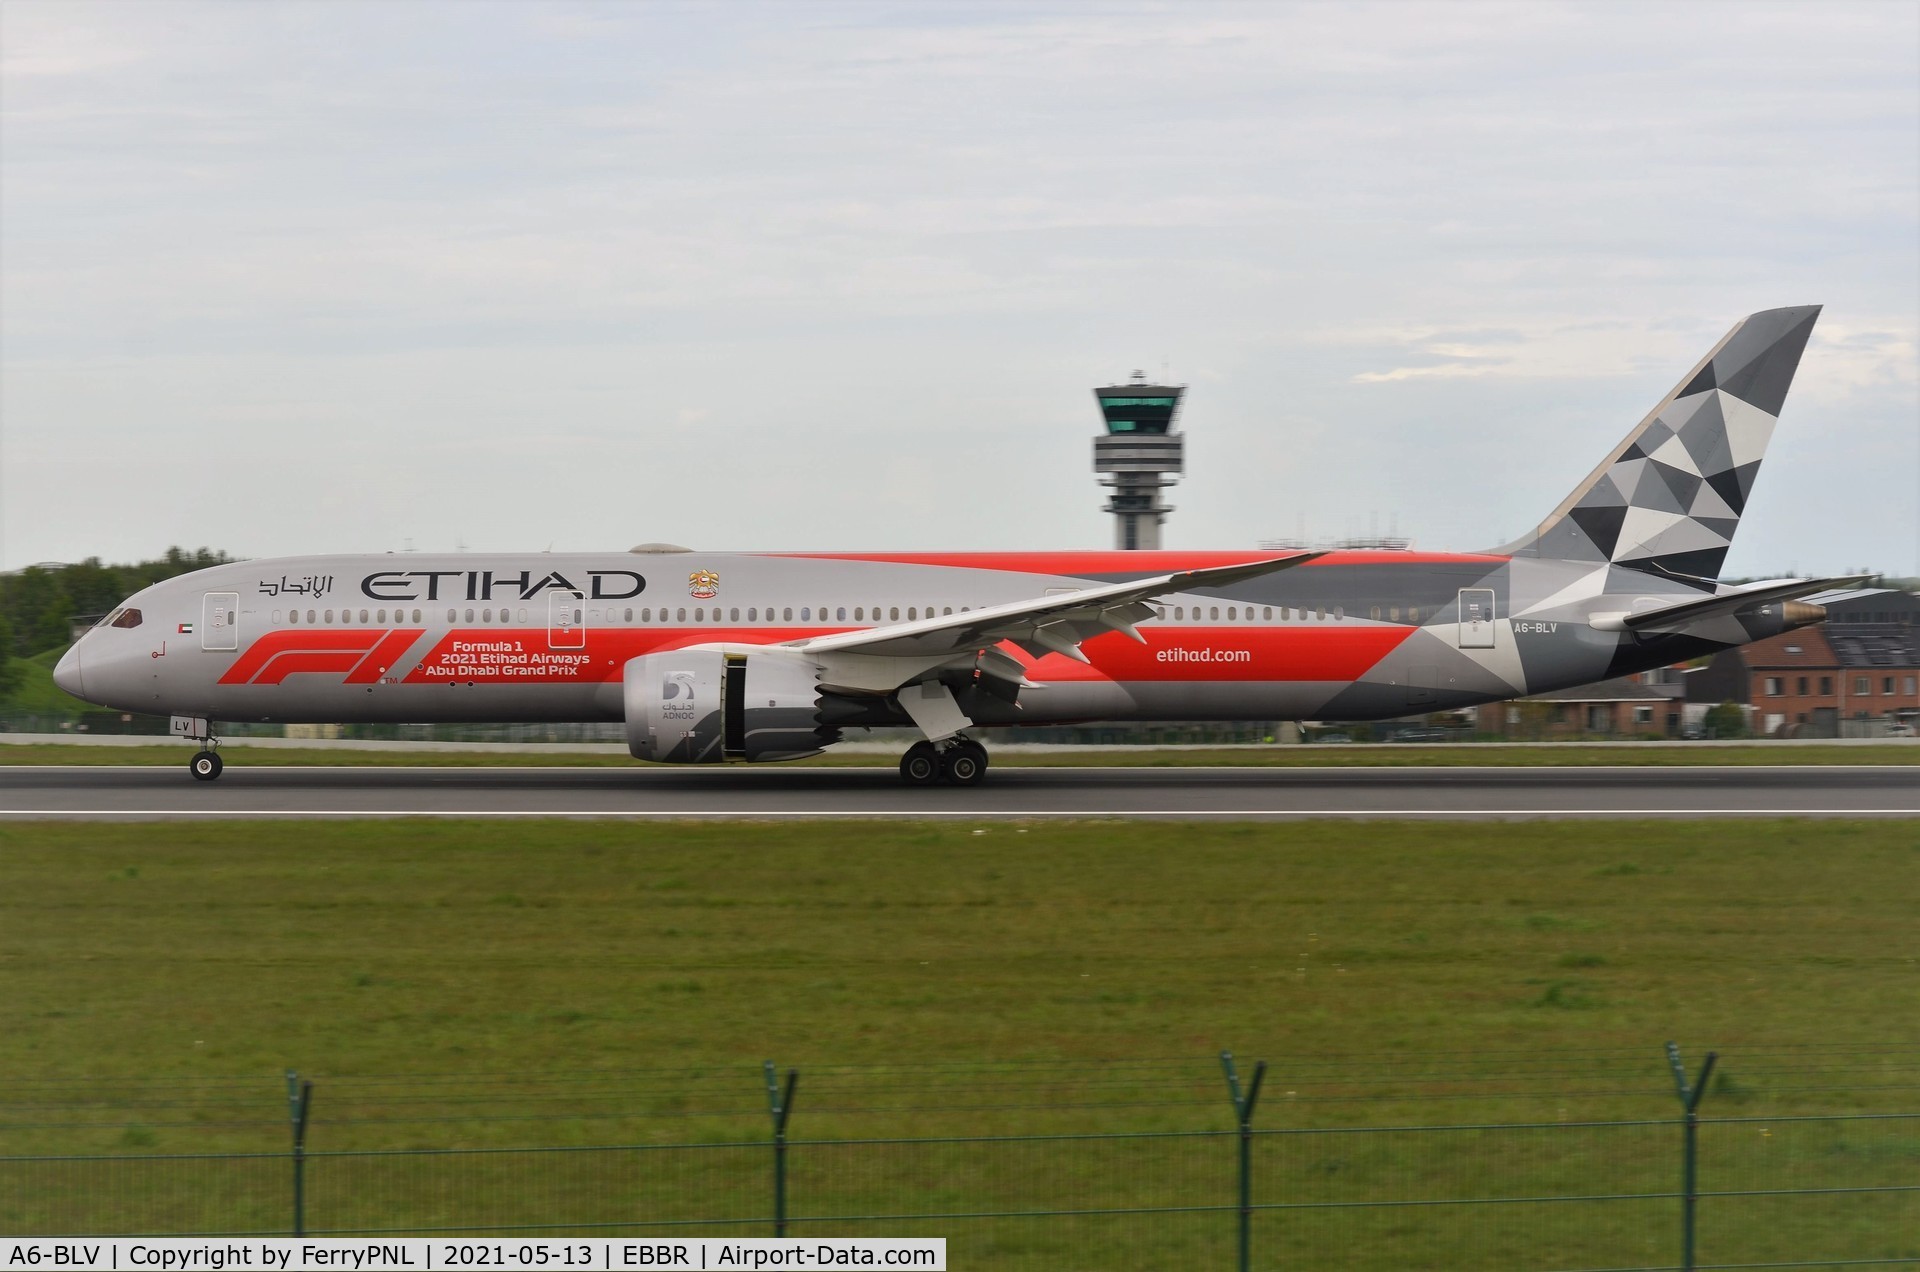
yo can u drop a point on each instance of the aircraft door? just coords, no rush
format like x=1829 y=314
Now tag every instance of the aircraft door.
x=220 y=620
x=1476 y=618
x=566 y=620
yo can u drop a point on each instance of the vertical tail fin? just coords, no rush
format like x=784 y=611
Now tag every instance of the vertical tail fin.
x=1669 y=497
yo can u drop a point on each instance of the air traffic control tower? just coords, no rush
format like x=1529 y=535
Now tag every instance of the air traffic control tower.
x=1138 y=457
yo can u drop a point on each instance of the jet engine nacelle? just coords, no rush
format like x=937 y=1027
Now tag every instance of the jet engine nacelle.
x=710 y=703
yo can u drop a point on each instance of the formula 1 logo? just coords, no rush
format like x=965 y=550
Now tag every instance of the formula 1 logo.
x=703 y=585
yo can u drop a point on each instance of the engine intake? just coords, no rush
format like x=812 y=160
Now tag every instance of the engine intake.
x=708 y=704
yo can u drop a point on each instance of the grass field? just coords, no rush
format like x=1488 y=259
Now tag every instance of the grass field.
x=952 y=980
x=355 y=948
x=1559 y=754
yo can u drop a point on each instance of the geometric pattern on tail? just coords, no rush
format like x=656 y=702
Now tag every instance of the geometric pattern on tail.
x=1669 y=498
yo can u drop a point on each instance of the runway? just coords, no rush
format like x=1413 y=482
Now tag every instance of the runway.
x=130 y=793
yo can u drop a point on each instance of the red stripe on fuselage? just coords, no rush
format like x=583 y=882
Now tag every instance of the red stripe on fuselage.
x=384 y=656
x=349 y=644
x=1087 y=564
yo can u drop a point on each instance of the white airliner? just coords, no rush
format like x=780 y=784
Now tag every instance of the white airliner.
x=713 y=657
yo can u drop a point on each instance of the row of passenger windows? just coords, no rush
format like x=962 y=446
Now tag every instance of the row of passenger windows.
x=833 y=614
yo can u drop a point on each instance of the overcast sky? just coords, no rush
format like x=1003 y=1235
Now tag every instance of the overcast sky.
x=347 y=276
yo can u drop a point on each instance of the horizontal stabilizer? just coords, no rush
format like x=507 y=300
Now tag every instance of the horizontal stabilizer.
x=1670 y=617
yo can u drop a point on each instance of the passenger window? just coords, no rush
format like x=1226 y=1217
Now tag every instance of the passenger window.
x=858 y=612
x=893 y=615
x=329 y=616
x=1266 y=613
x=1213 y=613
x=293 y=616
x=364 y=618
x=700 y=613
x=646 y=615
x=276 y=616
x=1339 y=613
x=946 y=611
x=1374 y=613
x=733 y=615
x=786 y=615
x=840 y=615
x=1320 y=615
x=1233 y=612
x=629 y=615
x=680 y=614
x=310 y=617
x=753 y=615
x=911 y=613
x=416 y=615
x=486 y=615
x=469 y=614
x=453 y=616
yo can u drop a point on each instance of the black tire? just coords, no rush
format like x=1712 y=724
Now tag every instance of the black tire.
x=965 y=764
x=920 y=766
x=205 y=766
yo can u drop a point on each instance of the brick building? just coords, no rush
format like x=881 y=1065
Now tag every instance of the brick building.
x=1861 y=665
x=1647 y=705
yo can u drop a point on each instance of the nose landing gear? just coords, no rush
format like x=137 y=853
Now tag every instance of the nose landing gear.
x=205 y=764
x=959 y=760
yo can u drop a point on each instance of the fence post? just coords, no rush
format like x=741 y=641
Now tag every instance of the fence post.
x=1243 y=1105
x=1690 y=1096
x=780 y=1106
x=299 y=1105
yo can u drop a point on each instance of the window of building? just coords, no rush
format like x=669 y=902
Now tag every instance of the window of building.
x=1643 y=715
x=1863 y=685
x=1886 y=685
x=1907 y=686
x=1773 y=686
x=1826 y=684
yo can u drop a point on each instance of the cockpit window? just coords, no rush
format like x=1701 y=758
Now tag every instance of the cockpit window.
x=125 y=618
x=106 y=620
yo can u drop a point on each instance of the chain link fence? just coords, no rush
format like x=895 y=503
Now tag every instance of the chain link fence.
x=1681 y=1189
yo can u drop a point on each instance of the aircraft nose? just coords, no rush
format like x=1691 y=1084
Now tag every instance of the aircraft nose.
x=67 y=674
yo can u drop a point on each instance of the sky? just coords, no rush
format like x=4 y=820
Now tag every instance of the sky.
x=351 y=276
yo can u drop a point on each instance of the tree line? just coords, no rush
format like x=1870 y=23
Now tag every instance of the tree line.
x=38 y=604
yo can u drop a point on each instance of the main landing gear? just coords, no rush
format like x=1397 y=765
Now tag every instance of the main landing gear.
x=205 y=765
x=959 y=760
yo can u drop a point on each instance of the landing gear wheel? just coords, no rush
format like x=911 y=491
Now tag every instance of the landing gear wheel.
x=205 y=765
x=965 y=763
x=920 y=766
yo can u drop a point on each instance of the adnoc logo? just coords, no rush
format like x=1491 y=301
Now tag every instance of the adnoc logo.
x=703 y=585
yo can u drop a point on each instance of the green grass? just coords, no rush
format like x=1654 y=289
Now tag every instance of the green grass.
x=1379 y=756
x=1548 y=962
x=36 y=694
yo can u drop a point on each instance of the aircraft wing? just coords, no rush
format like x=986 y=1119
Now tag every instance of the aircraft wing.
x=1688 y=612
x=1046 y=624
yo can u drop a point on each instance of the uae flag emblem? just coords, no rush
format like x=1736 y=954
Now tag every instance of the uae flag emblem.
x=185 y=629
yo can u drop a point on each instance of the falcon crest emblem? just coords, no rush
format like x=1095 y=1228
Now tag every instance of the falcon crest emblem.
x=703 y=584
